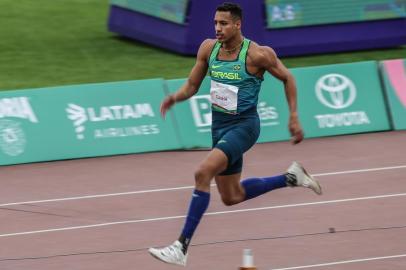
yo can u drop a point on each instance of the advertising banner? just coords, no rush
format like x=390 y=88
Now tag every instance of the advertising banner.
x=332 y=100
x=83 y=121
x=273 y=111
x=394 y=77
x=123 y=117
x=341 y=99
x=193 y=116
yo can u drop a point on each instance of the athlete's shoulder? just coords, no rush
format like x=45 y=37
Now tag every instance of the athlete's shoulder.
x=206 y=47
x=261 y=55
x=209 y=42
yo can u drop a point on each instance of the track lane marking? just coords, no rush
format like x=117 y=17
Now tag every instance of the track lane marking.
x=182 y=188
x=207 y=214
x=342 y=262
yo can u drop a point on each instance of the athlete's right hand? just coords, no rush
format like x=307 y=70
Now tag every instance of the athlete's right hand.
x=295 y=129
x=166 y=104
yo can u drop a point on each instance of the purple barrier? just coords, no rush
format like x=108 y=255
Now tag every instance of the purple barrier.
x=185 y=39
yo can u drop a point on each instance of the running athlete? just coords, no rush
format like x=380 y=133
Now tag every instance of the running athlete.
x=236 y=66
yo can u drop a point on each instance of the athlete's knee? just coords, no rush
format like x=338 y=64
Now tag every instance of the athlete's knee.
x=203 y=176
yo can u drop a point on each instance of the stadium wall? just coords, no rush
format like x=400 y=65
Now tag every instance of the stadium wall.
x=123 y=117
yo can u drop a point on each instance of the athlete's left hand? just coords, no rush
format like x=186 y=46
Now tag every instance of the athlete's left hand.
x=295 y=129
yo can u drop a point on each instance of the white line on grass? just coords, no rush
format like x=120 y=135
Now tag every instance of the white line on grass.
x=208 y=214
x=181 y=188
x=342 y=262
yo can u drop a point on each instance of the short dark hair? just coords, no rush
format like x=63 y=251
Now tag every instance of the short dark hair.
x=234 y=9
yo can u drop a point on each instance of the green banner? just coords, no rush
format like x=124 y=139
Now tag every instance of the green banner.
x=123 y=117
x=193 y=116
x=273 y=111
x=394 y=76
x=341 y=99
x=83 y=121
x=332 y=100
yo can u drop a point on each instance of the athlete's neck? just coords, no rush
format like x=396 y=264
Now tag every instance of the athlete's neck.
x=232 y=45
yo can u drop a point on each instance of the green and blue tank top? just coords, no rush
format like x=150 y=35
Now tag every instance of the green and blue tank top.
x=233 y=89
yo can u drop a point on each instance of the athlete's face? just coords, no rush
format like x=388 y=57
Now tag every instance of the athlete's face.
x=226 y=26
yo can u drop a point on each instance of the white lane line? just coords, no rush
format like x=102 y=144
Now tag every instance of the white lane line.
x=207 y=214
x=361 y=170
x=181 y=188
x=97 y=196
x=342 y=262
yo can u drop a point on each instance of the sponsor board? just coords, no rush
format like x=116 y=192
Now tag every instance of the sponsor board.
x=123 y=117
x=332 y=100
x=394 y=77
x=16 y=116
x=341 y=99
x=84 y=121
x=338 y=92
x=193 y=116
x=111 y=114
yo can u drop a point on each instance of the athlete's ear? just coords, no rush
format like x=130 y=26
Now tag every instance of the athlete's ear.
x=238 y=24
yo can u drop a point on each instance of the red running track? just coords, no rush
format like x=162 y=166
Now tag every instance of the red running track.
x=103 y=213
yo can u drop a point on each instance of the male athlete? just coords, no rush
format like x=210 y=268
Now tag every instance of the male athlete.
x=236 y=66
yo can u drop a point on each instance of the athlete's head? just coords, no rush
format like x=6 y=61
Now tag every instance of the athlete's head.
x=227 y=21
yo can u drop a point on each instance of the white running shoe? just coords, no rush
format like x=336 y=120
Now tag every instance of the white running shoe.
x=297 y=176
x=172 y=254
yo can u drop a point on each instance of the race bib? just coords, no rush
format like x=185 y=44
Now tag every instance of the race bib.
x=224 y=97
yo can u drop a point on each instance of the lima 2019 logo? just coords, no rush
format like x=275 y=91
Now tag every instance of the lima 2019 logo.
x=12 y=137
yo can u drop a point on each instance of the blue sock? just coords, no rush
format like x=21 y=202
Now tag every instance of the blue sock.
x=198 y=205
x=257 y=186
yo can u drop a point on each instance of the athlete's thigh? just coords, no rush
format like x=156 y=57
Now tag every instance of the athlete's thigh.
x=215 y=162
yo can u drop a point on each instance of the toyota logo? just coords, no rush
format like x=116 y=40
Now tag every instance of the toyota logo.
x=336 y=91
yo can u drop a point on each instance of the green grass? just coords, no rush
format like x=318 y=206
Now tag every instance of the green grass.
x=60 y=42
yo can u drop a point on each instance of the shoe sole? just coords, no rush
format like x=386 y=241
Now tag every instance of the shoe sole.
x=160 y=259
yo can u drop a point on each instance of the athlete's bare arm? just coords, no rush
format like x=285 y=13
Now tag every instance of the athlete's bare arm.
x=266 y=59
x=194 y=80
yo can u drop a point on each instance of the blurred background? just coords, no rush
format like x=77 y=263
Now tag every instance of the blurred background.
x=86 y=77
x=50 y=43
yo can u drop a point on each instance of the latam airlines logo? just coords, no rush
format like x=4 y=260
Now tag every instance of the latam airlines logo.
x=12 y=136
x=81 y=116
x=78 y=115
x=338 y=92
